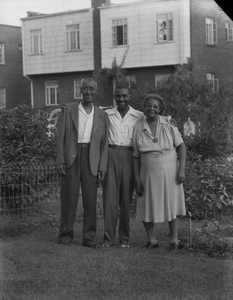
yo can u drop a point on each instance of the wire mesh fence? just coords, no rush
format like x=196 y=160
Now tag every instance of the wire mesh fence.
x=29 y=189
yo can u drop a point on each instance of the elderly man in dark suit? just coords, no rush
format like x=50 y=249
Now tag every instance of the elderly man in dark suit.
x=82 y=154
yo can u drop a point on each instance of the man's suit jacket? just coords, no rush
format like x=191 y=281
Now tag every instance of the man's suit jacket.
x=67 y=145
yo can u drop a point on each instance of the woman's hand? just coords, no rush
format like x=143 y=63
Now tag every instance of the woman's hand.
x=139 y=189
x=181 y=176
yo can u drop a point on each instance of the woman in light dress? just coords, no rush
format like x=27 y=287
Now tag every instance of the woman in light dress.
x=159 y=168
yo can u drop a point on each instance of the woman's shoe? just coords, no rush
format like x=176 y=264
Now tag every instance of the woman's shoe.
x=150 y=245
x=174 y=247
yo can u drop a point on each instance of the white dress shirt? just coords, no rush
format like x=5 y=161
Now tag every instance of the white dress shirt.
x=85 y=123
x=121 y=129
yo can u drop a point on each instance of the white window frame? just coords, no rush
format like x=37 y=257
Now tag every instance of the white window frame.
x=119 y=25
x=229 y=32
x=2 y=98
x=2 y=54
x=214 y=82
x=211 y=31
x=36 y=42
x=131 y=79
x=159 y=78
x=77 y=88
x=51 y=88
x=73 y=37
x=164 y=34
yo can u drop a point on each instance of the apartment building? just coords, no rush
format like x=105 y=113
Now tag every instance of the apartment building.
x=152 y=37
x=14 y=87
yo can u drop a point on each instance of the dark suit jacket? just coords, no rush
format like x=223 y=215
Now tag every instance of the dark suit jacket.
x=67 y=145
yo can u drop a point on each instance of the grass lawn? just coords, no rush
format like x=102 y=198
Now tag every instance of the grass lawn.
x=34 y=266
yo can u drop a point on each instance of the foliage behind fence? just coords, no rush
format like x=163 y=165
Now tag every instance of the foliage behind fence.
x=27 y=189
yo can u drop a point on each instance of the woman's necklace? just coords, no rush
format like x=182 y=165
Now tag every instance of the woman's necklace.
x=153 y=128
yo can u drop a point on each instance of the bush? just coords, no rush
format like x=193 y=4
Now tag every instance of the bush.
x=24 y=146
x=208 y=186
x=24 y=137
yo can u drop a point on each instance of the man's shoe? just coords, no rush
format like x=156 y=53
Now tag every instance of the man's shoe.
x=93 y=246
x=106 y=245
x=65 y=240
x=150 y=245
x=124 y=245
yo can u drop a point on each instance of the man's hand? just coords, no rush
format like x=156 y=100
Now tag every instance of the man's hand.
x=100 y=176
x=61 y=169
x=63 y=107
x=173 y=122
x=139 y=189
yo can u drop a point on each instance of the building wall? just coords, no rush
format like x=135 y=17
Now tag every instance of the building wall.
x=11 y=73
x=65 y=88
x=142 y=49
x=55 y=58
x=217 y=59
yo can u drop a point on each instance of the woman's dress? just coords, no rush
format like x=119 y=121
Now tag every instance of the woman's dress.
x=163 y=199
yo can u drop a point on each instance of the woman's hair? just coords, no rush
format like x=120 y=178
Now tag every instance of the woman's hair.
x=155 y=97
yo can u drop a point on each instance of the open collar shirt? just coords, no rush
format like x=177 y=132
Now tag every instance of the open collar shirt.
x=85 y=123
x=121 y=129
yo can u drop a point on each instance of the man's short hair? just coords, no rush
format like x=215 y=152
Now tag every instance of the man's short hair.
x=122 y=85
x=85 y=80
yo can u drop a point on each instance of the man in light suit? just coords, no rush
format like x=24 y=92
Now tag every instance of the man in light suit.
x=82 y=154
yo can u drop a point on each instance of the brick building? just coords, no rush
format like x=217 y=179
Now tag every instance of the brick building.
x=14 y=87
x=152 y=36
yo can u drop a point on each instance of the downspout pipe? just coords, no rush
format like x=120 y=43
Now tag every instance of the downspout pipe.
x=31 y=82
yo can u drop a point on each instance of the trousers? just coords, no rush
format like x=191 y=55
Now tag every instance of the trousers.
x=79 y=174
x=118 y=189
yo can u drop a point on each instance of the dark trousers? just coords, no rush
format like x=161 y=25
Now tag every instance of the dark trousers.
x=118 y=189
x=79 y=174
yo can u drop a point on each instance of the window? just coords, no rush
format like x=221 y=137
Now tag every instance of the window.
x=211 y=32
x=2 y=98
x=20 y=52
x=2 y=54
x=229 y=32
x=36 y=41
x=131 y=80
x=119 y=32
x=212 y=81
x=51 y=88
x=77 y=89
x=160 y=77
x=164 y=28
x=72 y=37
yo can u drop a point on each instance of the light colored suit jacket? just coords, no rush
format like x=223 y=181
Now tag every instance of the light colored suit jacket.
x=67 y=145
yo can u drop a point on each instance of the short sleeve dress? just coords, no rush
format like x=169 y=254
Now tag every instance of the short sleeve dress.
x=163 y=199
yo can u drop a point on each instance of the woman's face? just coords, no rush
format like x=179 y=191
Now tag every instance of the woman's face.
x=152 y=108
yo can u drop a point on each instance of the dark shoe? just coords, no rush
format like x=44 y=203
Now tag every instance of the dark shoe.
x=174 y=247
x=66 y=240
x=93 y=246
x=150 y=245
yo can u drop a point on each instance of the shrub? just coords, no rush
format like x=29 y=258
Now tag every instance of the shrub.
x=24 y=146
x=24 y=137
x=208 y=186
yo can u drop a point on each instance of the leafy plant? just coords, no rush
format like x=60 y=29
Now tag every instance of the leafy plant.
x=24 y=146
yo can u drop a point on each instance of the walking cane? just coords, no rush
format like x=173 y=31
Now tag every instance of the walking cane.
x=189 y=228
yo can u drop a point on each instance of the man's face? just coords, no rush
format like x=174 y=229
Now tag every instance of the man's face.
x=89 y=90
x=122 y=98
